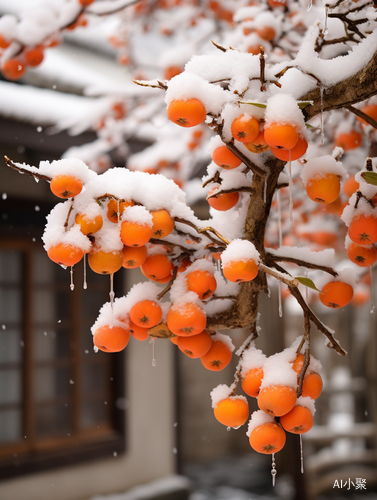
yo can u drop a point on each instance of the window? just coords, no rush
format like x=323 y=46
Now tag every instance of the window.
x=59 y=400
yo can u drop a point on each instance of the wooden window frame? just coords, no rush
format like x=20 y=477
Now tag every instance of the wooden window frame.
x=22 y=457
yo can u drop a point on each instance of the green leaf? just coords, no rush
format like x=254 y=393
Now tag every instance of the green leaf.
x=303 y=104
x=257 y=104
x=307 y=282
x=370 y=177
x=307 y=125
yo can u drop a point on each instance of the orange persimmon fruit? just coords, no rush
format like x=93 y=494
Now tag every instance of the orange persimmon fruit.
x=363 y=229
x=89 y=225
x=224 y=158
x=104 y=262
x=349 y=140
x=13 y=69
x=277 y=400
x=116 y=208
x=298 y=421
x=259 y=144
x=281 y=135
x=240 y=270
x=146 y=313
x=323 y=188
x=134 y=234
x=65 y=255
x=157 y=266
x=244 y=128
x=252 y=381
x=163 y=223
x=267 y=438
x=65 y=186
x=134 y=257
x=186 y=319
x=350 y=186
x=232 y=411
x=201 y=282
x=195 y=346
x=138 y=332
x=312 y=385
x=218 y=356
x=186 y=112
x=111 y=339
x=291 y=154
x=371 y=111
x=34 y=57
x=336 y=294
x=222 y=201
x=362 y=255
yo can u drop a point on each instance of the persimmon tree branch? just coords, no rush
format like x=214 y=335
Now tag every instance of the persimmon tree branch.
x=271 y=257
x=333 y=343
x=357 y=88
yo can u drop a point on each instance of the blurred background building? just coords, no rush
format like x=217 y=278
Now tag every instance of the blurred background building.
x=76 y=424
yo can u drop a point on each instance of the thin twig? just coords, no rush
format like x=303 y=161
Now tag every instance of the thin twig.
x=279 y=276
x=24 y=170
x=169 y=285
x=302 y=263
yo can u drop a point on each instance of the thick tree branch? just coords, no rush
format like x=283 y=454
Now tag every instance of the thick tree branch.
x=357 y=88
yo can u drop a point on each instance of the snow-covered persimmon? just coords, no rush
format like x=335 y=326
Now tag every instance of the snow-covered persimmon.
x=281 y=135
x=187 y=112
x=116 y=208
x=298 y=363
x=252 y=381
x=232 y=411
x=323 y=188
x=111 y=338
x=244 y=128
x=241 y=270
x=65 y=255
x=66 y=186
x=277 y=400
x=222 y=201
x=201 y=282
x=186 y=319
x=89 y=225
